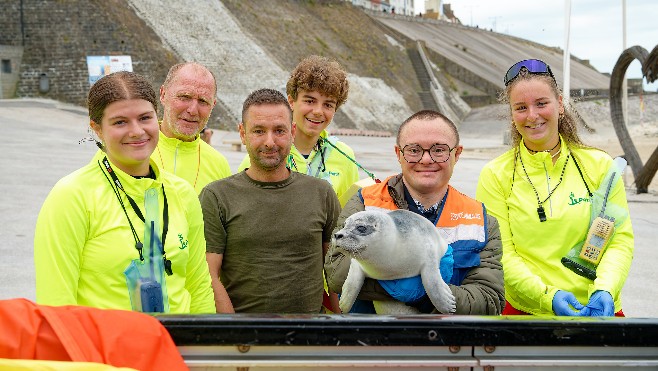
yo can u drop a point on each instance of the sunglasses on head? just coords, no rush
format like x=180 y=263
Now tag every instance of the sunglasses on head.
x=533 y=66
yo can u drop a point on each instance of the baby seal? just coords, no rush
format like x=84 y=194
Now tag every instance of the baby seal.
x=393 y=245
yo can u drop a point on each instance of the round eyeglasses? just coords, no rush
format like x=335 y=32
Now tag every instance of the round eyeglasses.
x=439 y=152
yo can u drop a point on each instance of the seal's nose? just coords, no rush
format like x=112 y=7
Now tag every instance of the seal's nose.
x=338 y=235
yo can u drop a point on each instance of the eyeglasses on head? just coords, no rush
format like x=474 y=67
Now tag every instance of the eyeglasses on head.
x=533 y=66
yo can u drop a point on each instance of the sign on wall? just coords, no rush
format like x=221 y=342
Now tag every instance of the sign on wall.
x=100 y=66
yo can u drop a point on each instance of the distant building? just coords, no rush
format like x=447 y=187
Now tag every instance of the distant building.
x=403 y=7
x=436 y=9
x=433 y=9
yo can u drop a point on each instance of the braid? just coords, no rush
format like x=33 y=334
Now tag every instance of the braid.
x=115 y=87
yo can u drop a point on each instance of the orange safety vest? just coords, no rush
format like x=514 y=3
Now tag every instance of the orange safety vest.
x=82 y=334
x=462 y=224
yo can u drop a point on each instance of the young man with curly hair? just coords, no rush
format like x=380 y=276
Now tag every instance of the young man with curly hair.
x=317 y=87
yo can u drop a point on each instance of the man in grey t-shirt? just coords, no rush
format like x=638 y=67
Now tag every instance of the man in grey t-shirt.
x=267 y=229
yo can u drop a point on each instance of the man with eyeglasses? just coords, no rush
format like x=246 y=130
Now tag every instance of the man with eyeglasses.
x=428 y=149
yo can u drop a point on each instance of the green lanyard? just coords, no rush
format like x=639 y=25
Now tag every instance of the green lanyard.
x=321 y=141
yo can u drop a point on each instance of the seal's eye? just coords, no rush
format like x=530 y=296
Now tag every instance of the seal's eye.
x=362 y=229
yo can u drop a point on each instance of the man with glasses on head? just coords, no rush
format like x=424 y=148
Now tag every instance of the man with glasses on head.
x=428 y=149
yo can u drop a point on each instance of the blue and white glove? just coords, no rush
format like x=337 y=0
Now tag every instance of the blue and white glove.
x=600 y=304
x=564 y=303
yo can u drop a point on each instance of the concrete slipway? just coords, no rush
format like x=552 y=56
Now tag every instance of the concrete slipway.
x=488 y=54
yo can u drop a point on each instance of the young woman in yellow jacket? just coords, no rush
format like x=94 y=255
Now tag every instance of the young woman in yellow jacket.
x=110 y=215
x=542 y=192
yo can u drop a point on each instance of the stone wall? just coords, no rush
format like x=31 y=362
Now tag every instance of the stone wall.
x=11 y=56
x=58 y=35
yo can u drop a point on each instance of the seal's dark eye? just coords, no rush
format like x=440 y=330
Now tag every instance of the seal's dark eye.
x=361 y=229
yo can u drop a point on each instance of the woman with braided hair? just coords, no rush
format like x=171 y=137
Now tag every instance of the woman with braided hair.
x=119 y=213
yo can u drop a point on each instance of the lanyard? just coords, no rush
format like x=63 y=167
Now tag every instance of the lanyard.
x=173 y=170
x=540 y=204
x=320 y=147
x=319 y=165
x=133 y=204
x=540 y=207
x=371 y=175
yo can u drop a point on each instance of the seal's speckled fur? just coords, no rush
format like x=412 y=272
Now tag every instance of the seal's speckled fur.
x=392 y=245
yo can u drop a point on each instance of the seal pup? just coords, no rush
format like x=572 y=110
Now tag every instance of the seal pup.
x=393 y=245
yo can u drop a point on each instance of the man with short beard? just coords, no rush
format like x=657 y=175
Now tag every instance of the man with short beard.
x=268 y=228
x=188 y=96
x=316 y=89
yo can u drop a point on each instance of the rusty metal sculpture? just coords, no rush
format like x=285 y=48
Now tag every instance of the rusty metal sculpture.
x=643 y=174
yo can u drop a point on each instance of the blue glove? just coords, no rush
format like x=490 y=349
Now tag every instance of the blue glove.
x=563 y=301
x=410 y=289
x=600 y=304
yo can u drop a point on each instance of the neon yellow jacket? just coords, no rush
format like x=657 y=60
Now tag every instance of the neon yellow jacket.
x=340 y=172
x=532 y=250
x=83 y=242
x=197 y=161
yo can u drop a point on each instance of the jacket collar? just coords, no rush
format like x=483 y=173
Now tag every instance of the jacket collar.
x=177 y=144
x=543 y=159
x=134 y=187
x=396 y=190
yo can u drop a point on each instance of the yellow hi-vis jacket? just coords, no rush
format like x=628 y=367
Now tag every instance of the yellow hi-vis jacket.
x=197 y=161
x=83 y=242
x=532 y=250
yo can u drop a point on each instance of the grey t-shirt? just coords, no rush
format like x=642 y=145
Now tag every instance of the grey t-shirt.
x=271 y=235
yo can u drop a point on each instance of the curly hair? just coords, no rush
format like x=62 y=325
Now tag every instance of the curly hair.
x=115 y=87
x=567 y=122
x=321 y=74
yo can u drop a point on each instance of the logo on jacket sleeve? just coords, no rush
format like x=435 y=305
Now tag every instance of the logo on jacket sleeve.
x=183 y=242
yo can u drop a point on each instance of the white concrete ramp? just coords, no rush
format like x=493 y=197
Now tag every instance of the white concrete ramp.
x=204 y=31
x=489 y=54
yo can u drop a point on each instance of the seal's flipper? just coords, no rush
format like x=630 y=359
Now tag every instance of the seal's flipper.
x=352 y=286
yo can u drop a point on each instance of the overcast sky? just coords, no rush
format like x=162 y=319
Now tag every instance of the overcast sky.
x=596 y=26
